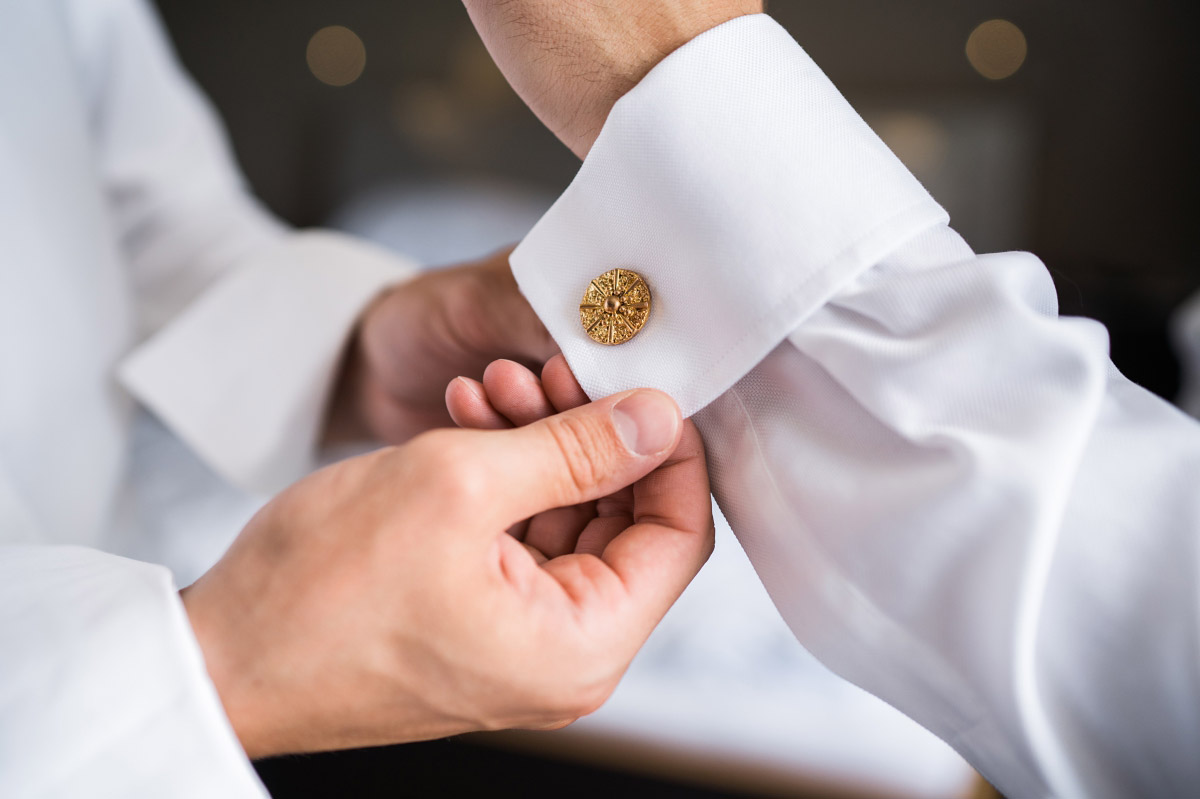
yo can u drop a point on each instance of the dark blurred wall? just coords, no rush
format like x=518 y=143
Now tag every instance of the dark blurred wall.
x=1109 y=90
x=428 y=104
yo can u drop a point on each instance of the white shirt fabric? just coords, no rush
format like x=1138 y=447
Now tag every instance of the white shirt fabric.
x=1185 y=329
x=135 y=269
x=953 y=497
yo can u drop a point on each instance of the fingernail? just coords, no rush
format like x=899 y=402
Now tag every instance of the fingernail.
x=646 y=421
x=468 y=385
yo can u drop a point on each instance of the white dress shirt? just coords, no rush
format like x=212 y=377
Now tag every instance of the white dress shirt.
x=953 y=497
x=1185 y=331
x=131 y=247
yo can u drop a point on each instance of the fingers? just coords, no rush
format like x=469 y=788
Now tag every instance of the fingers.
x=468 y=404
x=671 y=495
x=656 y=557
x=557 y=531
x=560 y=385
x=626 y=558
x=526 y=336
x=538 y=556
x=510 y=395
x=513 y=395
x=599 y=533
x=672 y=535
x=577 y=456
x=516 y=393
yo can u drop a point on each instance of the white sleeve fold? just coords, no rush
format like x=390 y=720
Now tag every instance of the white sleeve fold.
x=245 y=320
x=103 y=689
x=244 y=374
x=952 y=496
x=718 y=180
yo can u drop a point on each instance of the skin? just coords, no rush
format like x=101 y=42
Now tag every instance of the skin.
x=381 y=599
x=570 y=60
x=502 y=576
x=510 y=395
x=416 y=337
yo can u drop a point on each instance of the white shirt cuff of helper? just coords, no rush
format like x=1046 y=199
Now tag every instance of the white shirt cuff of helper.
x=243 y=375
x=106 y=692
x=744 y=188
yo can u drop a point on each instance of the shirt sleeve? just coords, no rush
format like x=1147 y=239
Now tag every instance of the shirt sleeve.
x=99 y=659
x=1185 y=329
x=242 y=321
x=953 y=497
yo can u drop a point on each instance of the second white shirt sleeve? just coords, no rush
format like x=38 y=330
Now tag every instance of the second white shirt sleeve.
x=953 y=497
x=103 y=689
x=242 y=322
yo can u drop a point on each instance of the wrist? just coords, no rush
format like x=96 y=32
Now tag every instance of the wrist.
x=621 y=56
x=348 y=417
x=226 y=671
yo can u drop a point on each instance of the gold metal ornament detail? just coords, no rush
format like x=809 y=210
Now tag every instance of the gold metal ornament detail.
x=615 y=306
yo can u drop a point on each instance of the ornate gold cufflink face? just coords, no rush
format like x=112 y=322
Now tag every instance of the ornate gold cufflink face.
x=615 y=306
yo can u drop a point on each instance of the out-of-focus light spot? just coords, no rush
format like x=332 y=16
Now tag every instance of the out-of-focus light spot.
x=917 y=139
x=336 y=56
x=475 y=78
x=453 y=116
x=996 y=49
x=432 y=117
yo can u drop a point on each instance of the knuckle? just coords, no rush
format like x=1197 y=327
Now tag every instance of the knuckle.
x=582 y=698
x=560 y=724
x=431 y=452
x=444 y=465
x=465 y=489
x=587 y=454
x=591 y=699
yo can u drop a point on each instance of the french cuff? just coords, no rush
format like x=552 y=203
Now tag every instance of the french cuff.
x=244 y=374
x=743 y=188
x=106 y=692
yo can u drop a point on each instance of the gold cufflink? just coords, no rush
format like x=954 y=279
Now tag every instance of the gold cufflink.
x=615 y=306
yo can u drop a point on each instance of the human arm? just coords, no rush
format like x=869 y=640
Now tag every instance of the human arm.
x=257 y=342
x=380 y=600
x=950 y=493
x=105 y=690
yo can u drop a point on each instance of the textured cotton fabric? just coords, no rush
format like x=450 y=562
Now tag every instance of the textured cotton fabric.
x=104 y=690
x=952 y=496
x=130 y=247
x=678 y=164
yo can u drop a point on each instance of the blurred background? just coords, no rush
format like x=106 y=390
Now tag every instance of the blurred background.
x=1065 y=128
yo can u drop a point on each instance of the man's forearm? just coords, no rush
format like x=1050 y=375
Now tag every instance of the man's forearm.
x=927 y=466
x=570 y=62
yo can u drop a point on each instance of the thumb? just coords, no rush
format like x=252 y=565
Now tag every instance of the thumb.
x=582 y=454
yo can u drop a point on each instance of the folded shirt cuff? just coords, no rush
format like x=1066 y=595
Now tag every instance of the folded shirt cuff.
x=244 y=374
x=103 y=688
x=744 y=189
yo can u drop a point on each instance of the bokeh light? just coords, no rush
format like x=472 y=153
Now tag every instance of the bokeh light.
x=917 y=139
x=996 y=49
x=336 y=55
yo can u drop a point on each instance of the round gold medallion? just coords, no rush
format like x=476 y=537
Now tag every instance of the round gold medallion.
x=615 y=306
